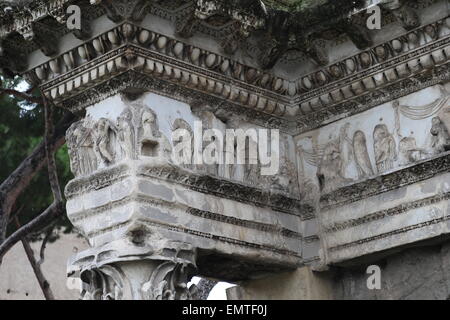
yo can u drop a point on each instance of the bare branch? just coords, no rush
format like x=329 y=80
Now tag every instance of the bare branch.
x=50 y=153
x=16 y=214
x=48 y=234
x=35 y=225
x=43 y=283
x=22 y=95
x=13 y=186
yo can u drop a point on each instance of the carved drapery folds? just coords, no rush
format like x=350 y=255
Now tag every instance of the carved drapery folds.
x=365 y=153
x=95 y=144
x=441 y=137
x=385 y=148
x=129 y=198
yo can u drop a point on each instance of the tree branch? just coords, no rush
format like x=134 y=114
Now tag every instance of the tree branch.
x=37 y=224
x=13 y=186
x=21 y=95
x=50 y=153
x=48 y=234
x=57 y=207
x=43 y=283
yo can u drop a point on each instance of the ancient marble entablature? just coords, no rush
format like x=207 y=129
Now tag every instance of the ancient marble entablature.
x=363 y=118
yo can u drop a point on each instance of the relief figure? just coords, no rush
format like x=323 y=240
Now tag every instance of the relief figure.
x=125 y=134
x=329 y=171
x=409 y=152
x=385 y=148
x=362 y=159
x=440 y=136
x=81 y=148
x=149 y=141
x=104 y=130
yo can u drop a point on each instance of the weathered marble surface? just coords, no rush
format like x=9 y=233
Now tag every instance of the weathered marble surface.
x=415 y=274
x=363 y=117
x=129 y=203
x=421 y=273
x=359 y=215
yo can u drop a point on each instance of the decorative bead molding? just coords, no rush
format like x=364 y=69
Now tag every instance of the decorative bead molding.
x=375 y=76
x=347 y=87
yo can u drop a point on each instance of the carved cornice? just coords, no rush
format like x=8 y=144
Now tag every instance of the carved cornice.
x=383 y=73
x=378 y=215
x=128 y=47
x=228 y=189
x=380 y=74
x=20 y=18
x=147 y=83
x=366 y=101
x=412 y=61
x=207 y=184
x=141 y=199
x=386 y=182
x=390 y=233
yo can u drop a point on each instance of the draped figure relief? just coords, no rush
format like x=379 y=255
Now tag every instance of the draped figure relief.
x=105 y=131
x=81 y=144
x=126 y=134
x=361 y=154
x=97 y=144
x=385 y=148
x=440 y=136
x=189 y=153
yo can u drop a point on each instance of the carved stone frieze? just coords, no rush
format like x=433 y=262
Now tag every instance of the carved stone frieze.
x=97 y=144
x=418 y=172
x=385 y=71
x=391 y=149
x=355 y=133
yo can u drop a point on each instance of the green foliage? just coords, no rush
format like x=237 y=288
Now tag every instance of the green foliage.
x=21 y=130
